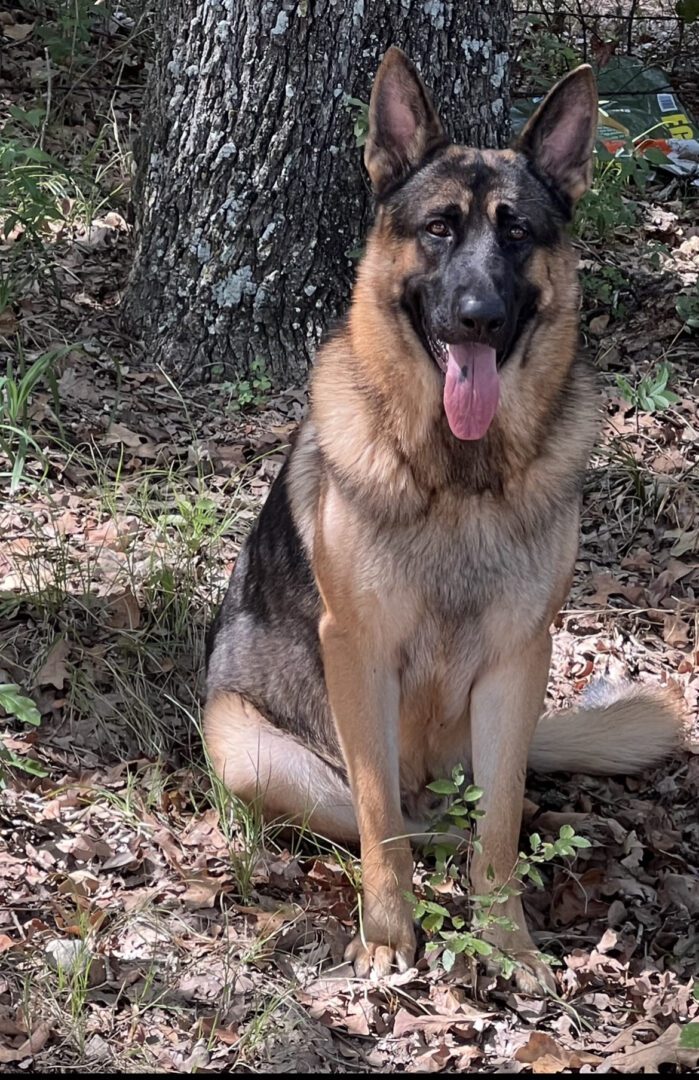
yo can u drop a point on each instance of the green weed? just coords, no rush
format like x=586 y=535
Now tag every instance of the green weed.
x=17 y=386
x=605 y=286
x=466 y=934
x=22 y=708
x=250 y=392
x=687 y=307
x=361 y=119
x=544 y=57
x=651 y=393
x=608 y=204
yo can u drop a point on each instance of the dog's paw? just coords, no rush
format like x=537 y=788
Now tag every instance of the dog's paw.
x=368 y=956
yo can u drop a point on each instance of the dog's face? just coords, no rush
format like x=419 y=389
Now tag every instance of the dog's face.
x=470 y=224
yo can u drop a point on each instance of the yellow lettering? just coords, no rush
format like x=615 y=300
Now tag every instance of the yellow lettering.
x=679 y=126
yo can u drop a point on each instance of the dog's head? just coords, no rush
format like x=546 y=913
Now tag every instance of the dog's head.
x=471 y=226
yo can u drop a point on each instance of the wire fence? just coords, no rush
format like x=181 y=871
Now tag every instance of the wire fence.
x=593 y=24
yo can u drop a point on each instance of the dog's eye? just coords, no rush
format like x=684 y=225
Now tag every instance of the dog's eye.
x=517 y=233
x=438 y=228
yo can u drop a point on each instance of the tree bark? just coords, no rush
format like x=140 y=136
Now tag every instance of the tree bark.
x=251 y=193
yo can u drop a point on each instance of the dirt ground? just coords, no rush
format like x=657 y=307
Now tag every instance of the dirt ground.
x=147 y=922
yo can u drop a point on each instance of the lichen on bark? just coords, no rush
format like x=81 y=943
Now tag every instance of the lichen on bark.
x=251 y=193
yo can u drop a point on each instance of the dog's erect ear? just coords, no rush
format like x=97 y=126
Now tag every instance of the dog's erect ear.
x=403 y=125
x=560 y=136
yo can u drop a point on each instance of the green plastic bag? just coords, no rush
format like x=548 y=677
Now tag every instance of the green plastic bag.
x=639 y=109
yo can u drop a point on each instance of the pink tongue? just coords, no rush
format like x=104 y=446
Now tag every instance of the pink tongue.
x=471 y=390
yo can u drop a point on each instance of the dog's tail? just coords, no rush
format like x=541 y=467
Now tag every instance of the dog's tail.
x=619 y=729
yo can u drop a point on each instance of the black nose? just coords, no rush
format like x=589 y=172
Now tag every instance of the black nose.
x=483 y=319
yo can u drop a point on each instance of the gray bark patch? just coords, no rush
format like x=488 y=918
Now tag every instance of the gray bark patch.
x=251 y=190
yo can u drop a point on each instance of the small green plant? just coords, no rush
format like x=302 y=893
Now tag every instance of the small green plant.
x=244 y=828
x=66 y=35
x=39 y=195
x=74 y=961
x=689 y=1037
x=17 y=386
x=607 y=205
x=32 y=183
x=688 y=10
x=604 y=287
x=687 y=307
x=361 y=119
x=455 y=934
x=22 y=708
x=656 y=251
x=195 y=521
x=651 y=393
x=251 y=392
x=7 y=294
x=544 y=57
x=361 y=130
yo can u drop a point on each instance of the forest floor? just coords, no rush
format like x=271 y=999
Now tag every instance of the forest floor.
x=148 y=923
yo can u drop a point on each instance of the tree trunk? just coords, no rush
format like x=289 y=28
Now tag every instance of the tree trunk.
x=252 y=197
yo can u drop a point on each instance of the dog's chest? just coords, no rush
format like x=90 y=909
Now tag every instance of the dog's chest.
x=477 y=591
x=464 y=567
x=479 y=585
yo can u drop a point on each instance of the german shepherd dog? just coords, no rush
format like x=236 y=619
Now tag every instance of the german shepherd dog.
x=388 y=617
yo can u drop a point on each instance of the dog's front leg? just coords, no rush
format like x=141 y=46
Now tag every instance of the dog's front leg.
x=506 y=703
x=364 y=697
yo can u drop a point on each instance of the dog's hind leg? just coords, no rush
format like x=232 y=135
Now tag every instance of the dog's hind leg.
x=266 y=766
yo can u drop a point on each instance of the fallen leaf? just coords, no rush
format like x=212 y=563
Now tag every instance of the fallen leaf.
x=269 y=923
x=8 y=321
x=198 y=1059
x=124 y=612
x=675 y=631
x=117 y=534
x=79 y=883
x=545 y=1055
x=203 y=890
x=436 y=1024
x=359 y=1018
x=435 y=1060
x=75 y=387
x=606 y=585
x=17 y=31
x=540 y=1045
x=574 y=898
x=53 y=671
x=682 y=890
x=647 y=1057
x=599 y=324
x=118 y=433
x=204 y=831
x=31 y=1046
x=228 y=1036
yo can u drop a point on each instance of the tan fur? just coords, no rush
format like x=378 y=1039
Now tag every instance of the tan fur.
x=625 y=730
x=268 y=769
x=505 y=707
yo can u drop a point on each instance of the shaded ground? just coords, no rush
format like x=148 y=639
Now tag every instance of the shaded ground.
x=148 y=923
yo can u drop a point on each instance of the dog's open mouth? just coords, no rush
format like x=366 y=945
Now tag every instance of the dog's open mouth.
x=471 y=384
x=438 y=350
